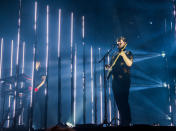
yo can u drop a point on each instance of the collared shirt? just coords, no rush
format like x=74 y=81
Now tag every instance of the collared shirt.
x=120 y=70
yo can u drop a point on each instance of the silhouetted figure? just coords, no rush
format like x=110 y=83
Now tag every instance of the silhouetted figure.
x=121 y=80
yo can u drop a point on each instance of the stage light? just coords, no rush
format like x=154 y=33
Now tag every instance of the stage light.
x=33 y=68
x=170 y=109
x=118 y=117
x=71 y=40
x=168 y=117
x=59 y=33
x=146 y=56
x=101 y=93
x=8 y=122
x=11 y=59
x=83 y=27
x=35 y=17
x=33 y=62
x=69 y=124
x=163 y=54
x=14 y=104
x=10 y=87
x=2 y=81
x=23 y=57
x=75 y=79
x=22 y=85
x=92 y=91
x=84 y=72
x=47 y=38
x=18 y=39
x=164 y=84
x=59 y=66
x=72 y=70
x=171 y=25
x=2 y=42
x=109 y=94
x=9 y=101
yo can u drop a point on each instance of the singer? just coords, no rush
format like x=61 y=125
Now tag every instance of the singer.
x=121 y=80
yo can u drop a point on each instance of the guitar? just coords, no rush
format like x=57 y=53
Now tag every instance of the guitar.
x=109 y=67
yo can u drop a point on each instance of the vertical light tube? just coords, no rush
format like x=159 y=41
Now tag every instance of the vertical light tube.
x=118 y=118
x=14 y=107
x=75 y=79
x=83 y=27
x=10 y=87
x=18 y=44
x=11 y=69
x=1 y=57
x=11 y=59
x=95 y=87
x=59 y=67
x=170 y=106
x=72 y=74
x=170 y=109
x=47 y=38
x=84 y=72
x=59 y=33
x=92 y=91
x=46 y=89
x=17 y=64
x=23 y=57
x=22 y=85
x=33 y=62
x=33 y=70
x=171 y=25
x=35 y=17
x=18 y=39
x=174 y=12
x=2 y=42
x=101 y=92
x=109 y=94
x=71 y=40
x=174 y=23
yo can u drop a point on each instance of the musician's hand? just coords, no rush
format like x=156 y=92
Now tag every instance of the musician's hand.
x=122 y=53
x=107 y=67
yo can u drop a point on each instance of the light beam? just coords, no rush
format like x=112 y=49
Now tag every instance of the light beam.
x=35 y=17
x=75 y=79
x=10 y=87
x=2 y=42
x=47 y=38
x=92 y=90
x=101 y=93
x=59 y=33
x=109 y=94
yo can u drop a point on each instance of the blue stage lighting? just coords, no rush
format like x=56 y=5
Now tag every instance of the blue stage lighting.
x=163 y=54
x=164 y=84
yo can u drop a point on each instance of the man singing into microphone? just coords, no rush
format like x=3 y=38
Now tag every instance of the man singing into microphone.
x=121 y=80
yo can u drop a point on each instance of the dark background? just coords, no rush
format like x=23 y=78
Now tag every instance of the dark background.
x=148 y=26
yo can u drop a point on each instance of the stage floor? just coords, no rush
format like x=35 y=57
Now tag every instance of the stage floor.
x=95 y=128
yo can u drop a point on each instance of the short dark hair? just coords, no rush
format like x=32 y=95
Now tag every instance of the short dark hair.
x=121 y=38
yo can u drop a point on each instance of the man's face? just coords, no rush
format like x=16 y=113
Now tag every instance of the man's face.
x=120 y=44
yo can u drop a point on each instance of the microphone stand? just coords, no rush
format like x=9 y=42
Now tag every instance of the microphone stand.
x=105 y=97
